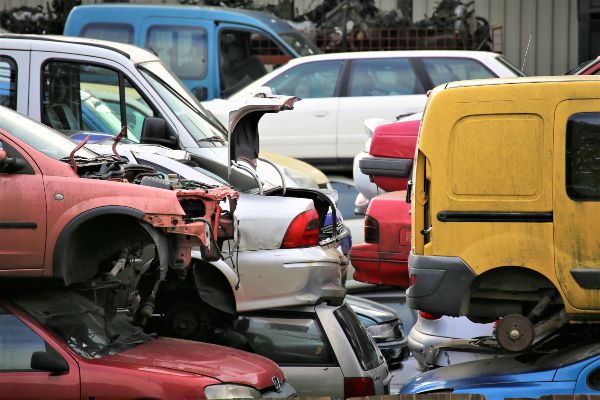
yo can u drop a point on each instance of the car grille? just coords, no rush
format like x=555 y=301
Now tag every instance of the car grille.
x=398 y=331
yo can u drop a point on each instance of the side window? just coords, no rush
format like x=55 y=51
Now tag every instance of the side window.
x=583 y=153
x=17 y=343
x=267 y=51
x=443 y=70
x=310 y=80
x=11 y=152
x=287 y=341
x=183 y=48
x=114 y=32
x=383 y=77
x=239 y=65
x=8 y=82
x=81 y=97
x=593 y=379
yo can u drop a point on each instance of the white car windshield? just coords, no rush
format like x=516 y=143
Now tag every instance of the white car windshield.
x=198 y=122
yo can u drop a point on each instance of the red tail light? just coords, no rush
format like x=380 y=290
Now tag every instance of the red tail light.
x=303 y=231
x=413 y=280
x=371 y=230
x=426 y=315
x=358 y=387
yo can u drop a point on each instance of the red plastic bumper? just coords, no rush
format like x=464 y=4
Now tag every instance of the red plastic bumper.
x=378 y=267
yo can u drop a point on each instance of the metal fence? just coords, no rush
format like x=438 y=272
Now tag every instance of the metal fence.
x=331 y=41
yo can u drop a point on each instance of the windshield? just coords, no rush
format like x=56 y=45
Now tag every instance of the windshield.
x=80 y=323
x=300 y=43
x=201 y=124
x=580 y=67
x=558 y=358
x=40 y=137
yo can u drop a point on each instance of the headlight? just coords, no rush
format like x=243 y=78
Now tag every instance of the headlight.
x=382 y=332
x=231 y=392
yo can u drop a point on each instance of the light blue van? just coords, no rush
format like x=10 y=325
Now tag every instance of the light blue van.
x=214 y=50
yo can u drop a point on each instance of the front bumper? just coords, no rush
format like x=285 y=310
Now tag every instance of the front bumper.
x=441 y=284
x=379 y=267
x=286 y=391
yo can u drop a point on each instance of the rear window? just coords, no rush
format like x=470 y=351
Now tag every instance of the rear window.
x=362 y=344
x=122 y=33
x=290 y=340
x=582 y=155
x=443 y=70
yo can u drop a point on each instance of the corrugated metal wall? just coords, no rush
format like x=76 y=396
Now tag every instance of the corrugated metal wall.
x=552 y=23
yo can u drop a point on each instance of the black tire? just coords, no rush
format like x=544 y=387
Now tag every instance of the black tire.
x=187 y=320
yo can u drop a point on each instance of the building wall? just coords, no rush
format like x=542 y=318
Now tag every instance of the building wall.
x=552 y=25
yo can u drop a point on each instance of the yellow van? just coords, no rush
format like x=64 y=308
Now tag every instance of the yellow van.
x=506 y=205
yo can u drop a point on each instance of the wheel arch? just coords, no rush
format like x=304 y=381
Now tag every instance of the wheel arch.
x=101 y=216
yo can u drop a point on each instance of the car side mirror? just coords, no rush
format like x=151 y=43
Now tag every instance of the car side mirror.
x=9 y=164
x=49 y=362
x=154 y=131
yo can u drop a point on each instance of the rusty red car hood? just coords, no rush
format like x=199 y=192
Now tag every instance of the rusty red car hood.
x=222 y=363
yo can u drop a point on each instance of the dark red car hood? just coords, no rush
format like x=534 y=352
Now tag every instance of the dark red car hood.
x=222 y=363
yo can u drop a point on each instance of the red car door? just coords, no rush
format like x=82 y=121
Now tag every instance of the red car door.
x=22 y=215
x=18 y=342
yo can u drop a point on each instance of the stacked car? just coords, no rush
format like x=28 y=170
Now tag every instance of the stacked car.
x=275 y=253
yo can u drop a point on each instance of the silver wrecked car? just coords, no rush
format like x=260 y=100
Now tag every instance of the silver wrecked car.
x=323 y=350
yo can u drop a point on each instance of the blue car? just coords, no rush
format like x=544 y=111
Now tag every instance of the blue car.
x=571 y=370
x=215 y=51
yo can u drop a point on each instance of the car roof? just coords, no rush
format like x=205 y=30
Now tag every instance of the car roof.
x=521 y=80
x=102 y=48
x=393 y=54
x=174 y=10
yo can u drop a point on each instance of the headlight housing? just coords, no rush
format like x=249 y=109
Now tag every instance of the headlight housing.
x=227 y=391
x=382 y=332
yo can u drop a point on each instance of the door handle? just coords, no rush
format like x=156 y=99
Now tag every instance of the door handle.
x=321 y=114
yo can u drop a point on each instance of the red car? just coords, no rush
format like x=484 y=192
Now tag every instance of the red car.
x=383 y=258
x=56 y=344
x=70 y=215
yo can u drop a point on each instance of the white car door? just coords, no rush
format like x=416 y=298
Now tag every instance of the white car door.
x=376 y=88
x=13 y=91
x=309 y=130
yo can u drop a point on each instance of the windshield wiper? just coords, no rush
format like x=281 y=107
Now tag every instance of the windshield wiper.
x=212 y=139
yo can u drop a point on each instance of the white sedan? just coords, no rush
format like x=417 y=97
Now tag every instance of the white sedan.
x=339 y=91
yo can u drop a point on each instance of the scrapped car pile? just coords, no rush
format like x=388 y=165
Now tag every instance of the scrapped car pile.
x=191 y=236
x=148 y=249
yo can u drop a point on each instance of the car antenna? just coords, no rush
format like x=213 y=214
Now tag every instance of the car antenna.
x=117 y=140
x=525 y=56
x=75 y=150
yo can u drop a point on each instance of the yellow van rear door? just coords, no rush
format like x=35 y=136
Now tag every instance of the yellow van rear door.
x=576 y=202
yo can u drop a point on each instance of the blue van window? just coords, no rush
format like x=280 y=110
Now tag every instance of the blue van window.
x=183 y=48
x=122 y=33
x=8 y=82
